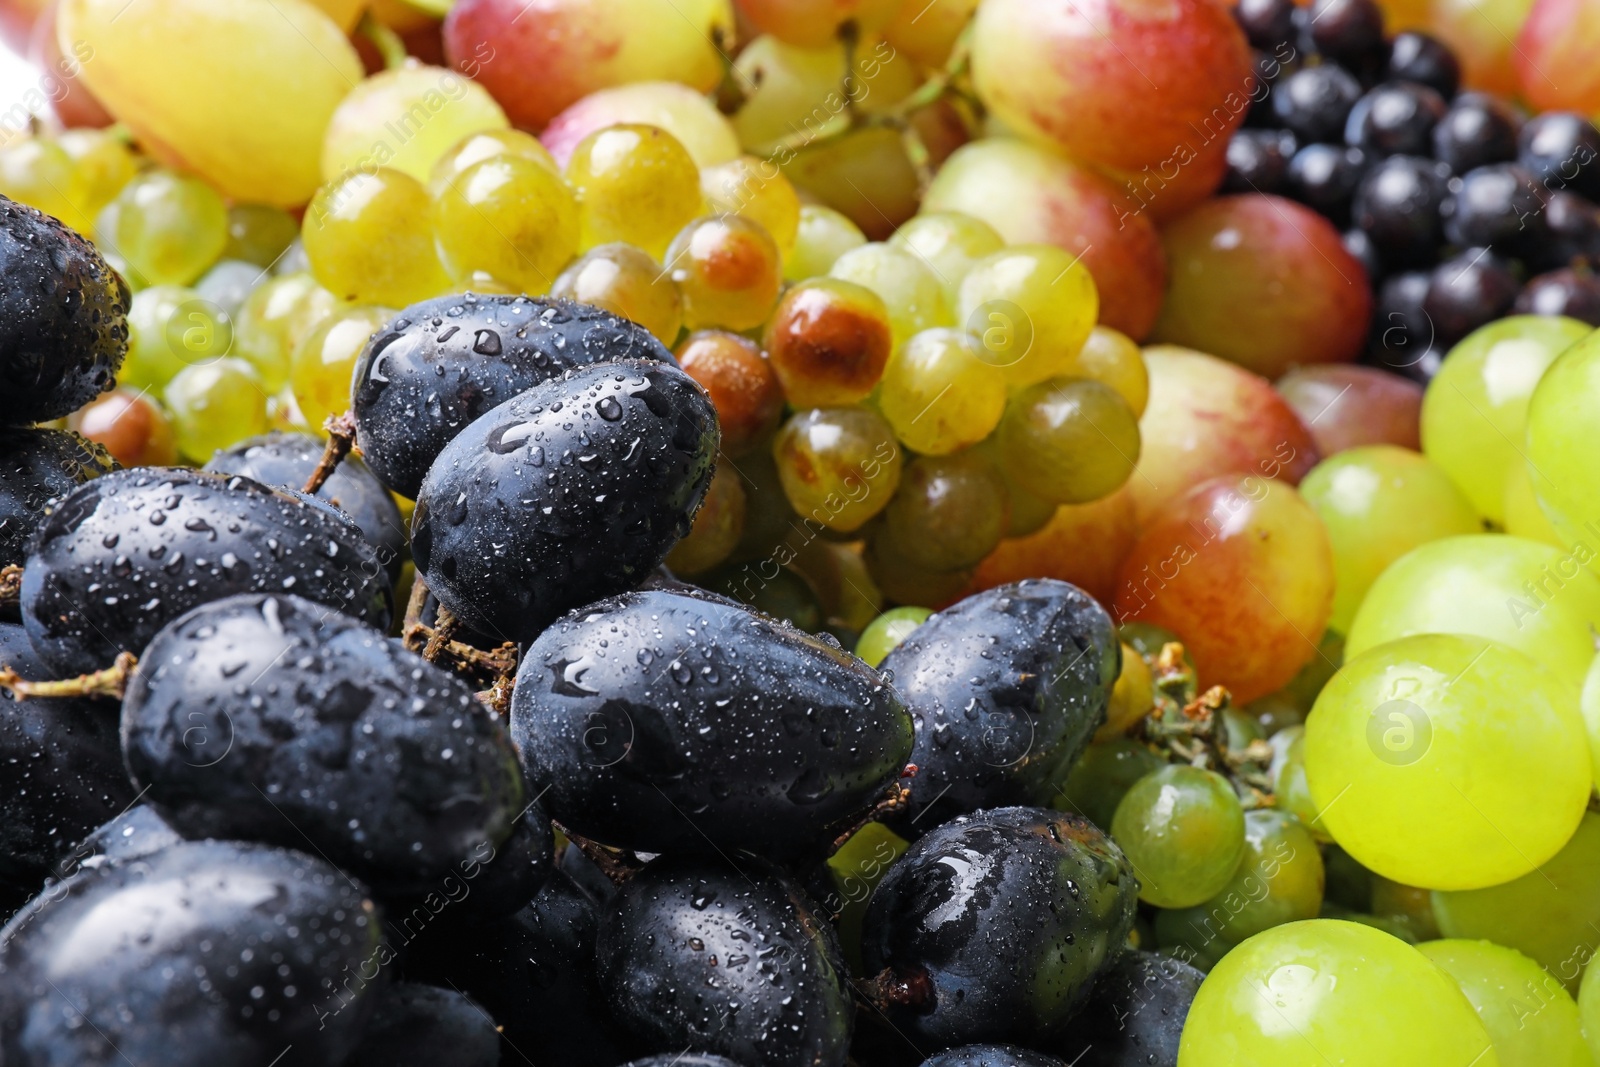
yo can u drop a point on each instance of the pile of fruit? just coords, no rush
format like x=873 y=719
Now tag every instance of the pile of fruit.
x=1002 y=533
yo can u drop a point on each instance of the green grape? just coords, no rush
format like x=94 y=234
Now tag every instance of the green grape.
x=902 y=583
x=1289 y=786
x=1325 y=991
x=828 y=342
x=1114 y=359
x=324 y=362
x=1069 y=441
x=481 y=146
x=885 y=633
x=910 y=291
x=1102 y=777
x=717 y=527
x=839 y=466
x=508 y=219
x=1552 y=914
x=939 y=396
x=368 y=239
x=635 y=184
x=1525 y=517
x=1560 y=448
x=1531 y=596
x=790 y=91
x=1475 y=412
x=1148 y=639
x=1190 y=935
x=1448 y=762
x=169 y=228
x=153 y=359
x=823 y=236
x=259 y=233
x=1239 y=729
x=855 y=871
x=1589 y=1009
x=1378 y=503
x=1279 y=879
x=947 y=513
x=756 y=189
x=1182 y=829
x=624 y=280
x=38 y=172
x=1032 y=308
x=405 y=119
x=1531 y=1019
x=728 y=270
x=783 y=595
x=948 y=243
x=1589 y=708
x=214 y=405
x=229 y=284
x=1132 y=696
x=261 y=329
x=105 y=165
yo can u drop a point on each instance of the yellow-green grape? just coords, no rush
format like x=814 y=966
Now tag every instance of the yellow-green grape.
x=728 y=270
x=910 y=291
x=947 y=514
x=315 y=306
x=1531 y=1019
x=153 y=359
x=1378 y=503
x=368 y=239
x=481 y=146
x=838 y=466
x=949 y=242
x=622 y=279
x=822 y=237
x=1069 y=440
x=717 y=527
x=903 y=583
x=1182 y=828
x=1279 y=878
x=1288 y=775
x=324 y=362
x=939 y=396
x=38 y=172
x=105 y=165
x=406 y=119
x=1560 y=448
x=1589 y=1008
x=636 y=184
x=509 y=218
x=261 y=329
x=687 y=114
x=259 y=234
x=756 y=189
x=214 y=405
x=169 y=227
x=1031 y=308
x=1524 y=516
x=1113 y=358
x=799 y=93
x=1475 y=412
x=885 y=633
x=1132 y=696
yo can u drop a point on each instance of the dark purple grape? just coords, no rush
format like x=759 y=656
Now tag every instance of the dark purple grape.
x=1477 y=130
x=992 y=1056
x=425 y=1026
x=1349 y=32
x=1469 y=290
x=1403 y=337
x=63 y=317
x=1359 y=245
x=1575 y=294
x=1496 y=206
x=1568 y=231
x=136 y=833
x=37 y=466
x=1397 y=204
x=1396 y=118
x=1266 y=23
x=1314 y=103
x=1269 y=68
x=1324 y=177
x=682 y=1059
x=1135 y=1014
x=1417 y=57
x=1258 y=161
x=1562 y=149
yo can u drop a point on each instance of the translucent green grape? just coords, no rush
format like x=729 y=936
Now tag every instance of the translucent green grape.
x=885 y=633
x=839 y=466
x=949 y=243
x=1182 y=828
x=1560 y=448
x=939 y=396
x=1531 y=1019
x=1069 y=441
x=1102 y=777
x=947 y=513
x=912 y=293
x=259 y=233
x=169 y=227
x=368 y=239
x=1279 y=879
x=823 y=236
x=38 y=172
x=262 y=326
x=214 y=405
x=323 y=364
x=636 y=184
x=1031 y=307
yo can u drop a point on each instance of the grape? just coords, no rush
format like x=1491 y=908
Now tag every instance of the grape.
x=228 y=285
x=39 y=466
x=1131 y=698
x=1134 y=1015
x=1531 y=596
x=1017 y=908
x=948 y=243
x=1068 y=440
x=1288 y=775
x=888 y=631
x=990 y=1056
x=864 y=173
x=626 y=281
x=423 y=1023
x=104 y=165
x=1263 y=282
x=1102 y=776
x=717 y=527
x=1549 y=57
x=1079 y=543
x=131 y=427
x=1184 y=834
x=828 y=342
x=1112 y=359
x=405 y=119
x=261 y=328
x=169 y=228
x=1207 y=417
x=1588 y=1006
x=1031 y=195
x=259 y=234
x=1530 y=1018
x=633 y=183
x=1506 y=776
x=902 y=583
x=1475 y=414
x=322 y=364
x=1279 y=878
x=155 y=321
x=508 y=220
x=1032 y=308
x=240 y=95
x=792 y=90
x=481 y=146
x=912 y=293
x=368 y=239
x=213 y=405
x=1558 y=447
x=1346 y=406
x=686 y=114
x=939 y=394
x=838 y=466
x=756 y=189
x=569 y=48
x=1406 y=904
x=1322 y=991
x=928 y=34
x=947 y=513
x=728 y=271
x=1379 y=502
x=1241 y=569
x=1006 y=689
x=741 y=383
x=823 y=235
x=813 y=24
x=39 y=173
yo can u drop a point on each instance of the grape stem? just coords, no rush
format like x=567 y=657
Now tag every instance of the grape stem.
x=388 y=43
x=108 y=684
x=616 y=865
x=437 y=646
x=341 y=431
x=1183 y=725
x=894 y=988
x=10 y=584
x=894 y=800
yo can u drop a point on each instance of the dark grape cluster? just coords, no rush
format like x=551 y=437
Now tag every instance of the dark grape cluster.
x=1461 y=208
